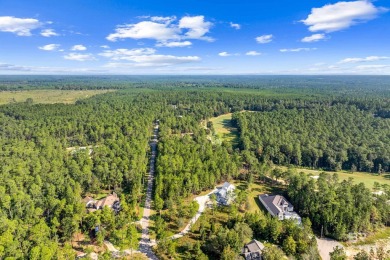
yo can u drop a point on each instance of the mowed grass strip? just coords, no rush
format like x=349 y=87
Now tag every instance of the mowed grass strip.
x=48 y=96
x=367 y=178
x=224 y=128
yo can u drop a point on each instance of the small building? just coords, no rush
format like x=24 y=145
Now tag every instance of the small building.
x=225 y=194
x=253 y=250
x=279 y=206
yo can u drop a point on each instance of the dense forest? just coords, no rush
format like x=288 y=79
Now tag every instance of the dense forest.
x=335 y=207
x=330 y=137
x=52 y=156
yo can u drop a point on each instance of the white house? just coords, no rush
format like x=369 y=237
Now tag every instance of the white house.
x=225 y=194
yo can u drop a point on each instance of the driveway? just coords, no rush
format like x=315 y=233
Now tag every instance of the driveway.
x=202 y=201
x=325 y=246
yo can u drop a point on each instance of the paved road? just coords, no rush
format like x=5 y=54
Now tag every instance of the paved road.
x=146 y=244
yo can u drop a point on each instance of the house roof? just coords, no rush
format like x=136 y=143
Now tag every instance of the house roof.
x=87 y=199
x=226 y=185
x=222 y=192
x=107 y=201
x=254 y=246
x=268 y=201
x=281 y=201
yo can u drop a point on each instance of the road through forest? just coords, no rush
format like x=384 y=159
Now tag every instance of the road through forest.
x=146 y=244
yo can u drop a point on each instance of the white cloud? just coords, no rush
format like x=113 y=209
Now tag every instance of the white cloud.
x=163 y=29
x=197 y=27
x=11 y=67
x=366 y=59
x=79 y=56
x=174 y=44
x=105 y=46
x=168 y=19
x=18 y=26
x=78 y=47
x=127 y=54
x=264 y=38
x=235 y=26
x=314 y=38
x=17 y=69
x=371 y=67
x=253 y=53
x=224 y=54
x=144 y=57
x=49 y=47
x=145 y=30
x=341 y=15
x=298 y=49
x=49 y=33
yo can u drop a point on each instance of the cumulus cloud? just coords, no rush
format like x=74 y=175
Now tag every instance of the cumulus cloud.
x=341 y=15
x=298 y=49
x=264 y=38
x=79 y=56
x=145 y=30
x=235 y=26
x=78 y=47
x=18 y=26
x=366 y=59
x=253 y=53
x=49 y=33
x=196 y=27
x=165 y=30
x=314 y=38
x=174 y=44
x=49 y=47
x=144 y=57
x=105 y=46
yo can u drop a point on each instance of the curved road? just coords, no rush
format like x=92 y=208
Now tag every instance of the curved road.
x=146 y=244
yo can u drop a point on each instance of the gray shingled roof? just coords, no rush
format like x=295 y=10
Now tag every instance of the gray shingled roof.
x=268 y=200
x=254 y=246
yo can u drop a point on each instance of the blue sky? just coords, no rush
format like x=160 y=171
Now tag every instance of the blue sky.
x=194 y=37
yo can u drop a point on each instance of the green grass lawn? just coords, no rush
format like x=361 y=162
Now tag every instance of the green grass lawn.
x=224 y=128
x=367 y=178
x=257 y=188
x=48 y=96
